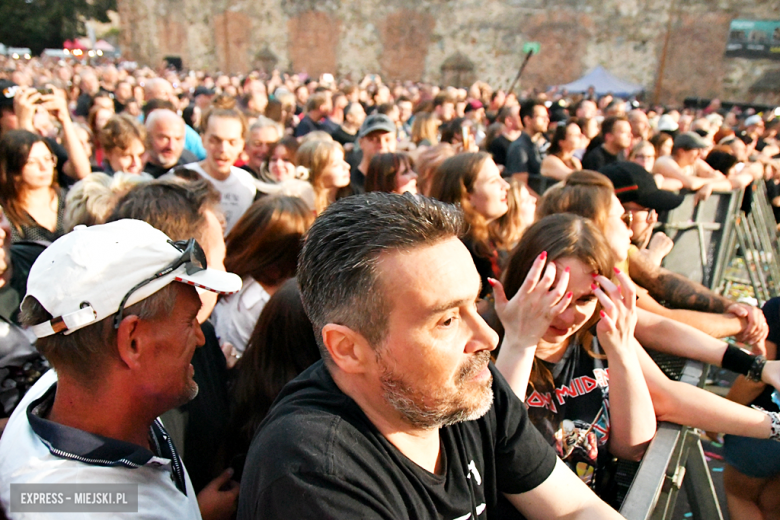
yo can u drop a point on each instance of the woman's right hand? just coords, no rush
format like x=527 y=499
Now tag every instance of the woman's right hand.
x=527 y=316
x=618 y=315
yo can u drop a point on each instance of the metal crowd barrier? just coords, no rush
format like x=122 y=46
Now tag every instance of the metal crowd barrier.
x=674 y=459
x=708 y=237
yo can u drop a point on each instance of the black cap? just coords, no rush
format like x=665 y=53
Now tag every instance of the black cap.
x=690 y=141
x=7 y=92
x=202 y=91
x=376 y=122
x=635 y=184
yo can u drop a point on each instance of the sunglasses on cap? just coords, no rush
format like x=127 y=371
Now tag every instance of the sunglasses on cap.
x=192 y=257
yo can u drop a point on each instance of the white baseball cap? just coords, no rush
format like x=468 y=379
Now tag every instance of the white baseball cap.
x=666 y=123
x=84 y=276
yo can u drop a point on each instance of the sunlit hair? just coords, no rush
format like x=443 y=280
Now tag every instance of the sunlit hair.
x=120 y=131
x=428 y=162
x=383 y=171
x=562 y=236
x=91 y=200
x=506 y=230
x=225 y=113
x=585 y=193
x=266 y=240
x=316 y=156
x=425 y=126
x=453 y=182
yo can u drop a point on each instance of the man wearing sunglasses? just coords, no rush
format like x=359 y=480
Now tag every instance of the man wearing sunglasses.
x=120 y=337
x=717 y=315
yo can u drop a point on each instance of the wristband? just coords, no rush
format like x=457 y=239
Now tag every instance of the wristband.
x=774 y=417
x=738 y=361
x=756 y=369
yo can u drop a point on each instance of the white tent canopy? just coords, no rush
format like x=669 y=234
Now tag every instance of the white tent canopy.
x=603 y=82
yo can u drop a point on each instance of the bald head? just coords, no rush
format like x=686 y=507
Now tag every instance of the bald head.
x=158 y=88
x=165 y=137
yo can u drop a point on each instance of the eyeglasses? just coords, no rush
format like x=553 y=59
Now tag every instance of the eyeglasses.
x=651 y=216
x=627 y=218
x=192 y=257
x=642 y=157
x=43 y=161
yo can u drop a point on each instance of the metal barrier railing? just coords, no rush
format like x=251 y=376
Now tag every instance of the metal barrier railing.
x=723 y=232
x=674 y=459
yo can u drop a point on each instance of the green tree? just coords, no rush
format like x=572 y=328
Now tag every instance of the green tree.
x=41 y=24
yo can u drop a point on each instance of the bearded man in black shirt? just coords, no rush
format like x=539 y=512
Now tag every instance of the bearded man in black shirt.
x=405 y=417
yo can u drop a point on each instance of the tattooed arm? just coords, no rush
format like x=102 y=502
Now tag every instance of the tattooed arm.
x=680 y=293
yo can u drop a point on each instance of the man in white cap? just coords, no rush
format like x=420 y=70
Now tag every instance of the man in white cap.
x=120 y=337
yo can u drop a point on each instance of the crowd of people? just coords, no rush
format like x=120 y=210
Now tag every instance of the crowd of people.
x=392 y=319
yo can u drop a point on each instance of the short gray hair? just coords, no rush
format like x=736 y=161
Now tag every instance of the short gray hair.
x=337 y=267
x=84 y=353
x=265 y=122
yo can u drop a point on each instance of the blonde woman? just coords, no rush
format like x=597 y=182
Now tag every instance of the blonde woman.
x=328 y=171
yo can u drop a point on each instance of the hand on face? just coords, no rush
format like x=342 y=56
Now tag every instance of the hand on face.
x=618 y=314
x=537 y=303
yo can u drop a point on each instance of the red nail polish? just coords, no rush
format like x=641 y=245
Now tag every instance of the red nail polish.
x=602 y=313
x=616 y=270
x=593 y=287
x=594 y=275
x=567 y=270
x=492 y=282
x=543 y=256
x=569 y=294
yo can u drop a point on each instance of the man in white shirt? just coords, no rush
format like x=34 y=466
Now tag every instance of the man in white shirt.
x=224 y=142
x=120 y=337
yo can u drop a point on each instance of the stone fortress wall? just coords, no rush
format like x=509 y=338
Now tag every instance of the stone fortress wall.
x=456 y=41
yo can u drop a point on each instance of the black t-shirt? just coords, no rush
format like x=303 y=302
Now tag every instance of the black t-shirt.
x=317 y=455
x=499 y=147
x=599 y=157
x=342 y=137
x=308 y=125
x=523 y=156
x=574 y=416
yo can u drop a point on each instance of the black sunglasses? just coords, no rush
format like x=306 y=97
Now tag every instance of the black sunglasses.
x=192 y=257
x=627 y=218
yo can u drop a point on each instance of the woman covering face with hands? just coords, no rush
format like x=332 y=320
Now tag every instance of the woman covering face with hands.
x=560 y=291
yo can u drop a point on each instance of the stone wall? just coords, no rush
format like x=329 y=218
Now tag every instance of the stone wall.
x=414 y=39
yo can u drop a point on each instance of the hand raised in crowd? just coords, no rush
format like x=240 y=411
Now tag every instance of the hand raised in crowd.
x=618 y=315
x=219 y=499
x=56 y=103
x=25 y=105
x=528 y=315
x=660 y=245
x=754 y=328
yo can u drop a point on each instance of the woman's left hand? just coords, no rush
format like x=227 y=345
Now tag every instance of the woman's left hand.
x=618 y=315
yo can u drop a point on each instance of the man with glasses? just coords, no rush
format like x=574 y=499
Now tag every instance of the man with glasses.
x=120 y=337
x=636 y=189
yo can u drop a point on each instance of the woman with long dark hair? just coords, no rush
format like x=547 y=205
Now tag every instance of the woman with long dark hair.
x=262 y=248
x=282 y=346
x=579 y=315
x=29 y=193
x=560 y=160
x=472 y=181
x=391 y=173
